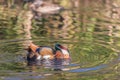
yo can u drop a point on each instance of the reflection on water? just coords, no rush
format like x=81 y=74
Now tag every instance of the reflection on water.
x=93 y=40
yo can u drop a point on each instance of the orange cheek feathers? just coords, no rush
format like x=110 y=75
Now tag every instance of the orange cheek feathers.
x=58 y=54
x=61 y=55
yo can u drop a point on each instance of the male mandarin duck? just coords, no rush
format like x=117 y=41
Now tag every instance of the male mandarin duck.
x=48 y=52
x=38 y=53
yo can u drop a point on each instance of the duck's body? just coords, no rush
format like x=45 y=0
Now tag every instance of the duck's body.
x=43 y=51
x=38 y=53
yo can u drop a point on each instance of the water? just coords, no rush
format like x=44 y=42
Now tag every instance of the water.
x=93 y=41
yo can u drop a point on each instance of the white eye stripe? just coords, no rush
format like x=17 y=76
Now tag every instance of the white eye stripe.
x=64 y=51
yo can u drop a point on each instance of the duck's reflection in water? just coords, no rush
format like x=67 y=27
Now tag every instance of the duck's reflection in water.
x=47 y=63
x=54 y=64
x=60 y=63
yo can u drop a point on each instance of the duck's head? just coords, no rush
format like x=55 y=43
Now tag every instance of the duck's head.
x=62 y=51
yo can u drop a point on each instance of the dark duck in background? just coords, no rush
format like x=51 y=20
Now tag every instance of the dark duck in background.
x=42 y=7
